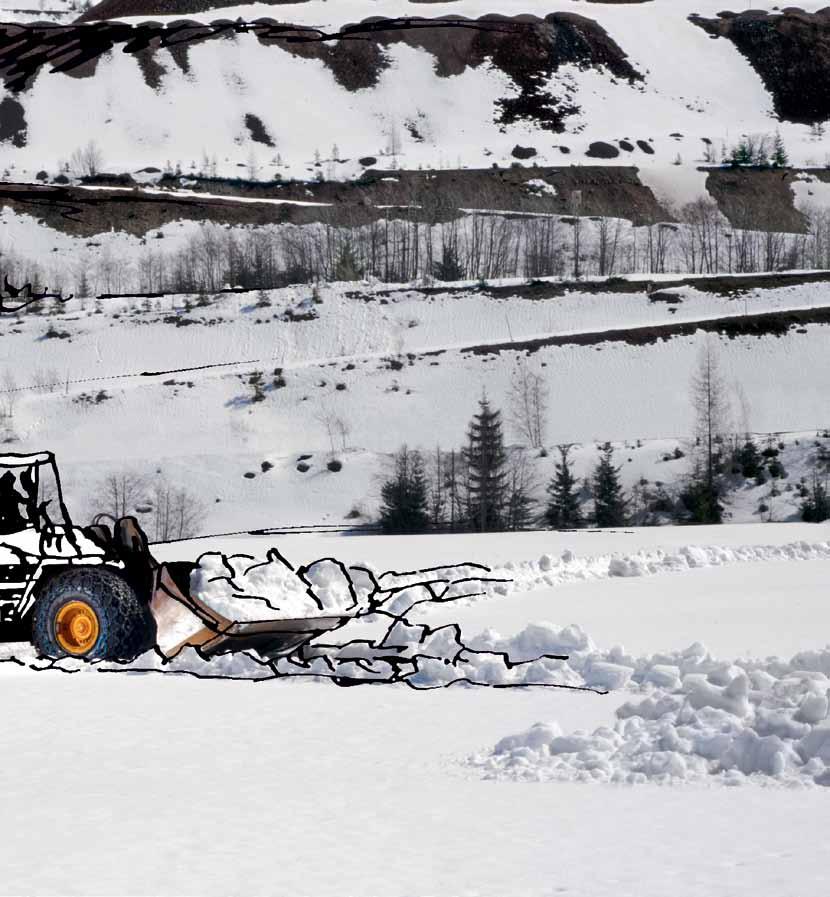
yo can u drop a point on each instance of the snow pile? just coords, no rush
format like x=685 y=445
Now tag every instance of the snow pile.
x=425 y=658
x=243 y=589
x=540 y=187
x=700 y=720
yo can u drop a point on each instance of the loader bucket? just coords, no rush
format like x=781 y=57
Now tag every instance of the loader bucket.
x=184 y=621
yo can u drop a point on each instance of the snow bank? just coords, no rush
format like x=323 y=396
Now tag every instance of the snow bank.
x=550 y=570
x=701 y=719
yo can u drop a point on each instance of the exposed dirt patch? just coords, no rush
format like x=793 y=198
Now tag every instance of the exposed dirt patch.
x=257 y=130
x=526 y=48
x=12 y=122
x=760 y=199
x=120 y=9
x=602 y=150
x=790 y=51
x=762 y=324
x=733 y=286
x=441 y=195
x=523 y=152
x=605 y=190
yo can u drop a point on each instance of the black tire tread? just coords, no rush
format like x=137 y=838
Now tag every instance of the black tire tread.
x=127 y=626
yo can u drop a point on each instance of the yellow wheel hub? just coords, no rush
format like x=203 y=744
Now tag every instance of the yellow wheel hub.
x=76 y=627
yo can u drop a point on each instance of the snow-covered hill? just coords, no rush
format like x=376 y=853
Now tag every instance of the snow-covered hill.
x=639 y=84
x=226 y=398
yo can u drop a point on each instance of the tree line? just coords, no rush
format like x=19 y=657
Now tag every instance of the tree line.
x=489 y=486
x=404 y=248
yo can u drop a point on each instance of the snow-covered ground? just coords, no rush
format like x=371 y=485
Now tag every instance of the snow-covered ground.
x=326 y=790
x=364 y=362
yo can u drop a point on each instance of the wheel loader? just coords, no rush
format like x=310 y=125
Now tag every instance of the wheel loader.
x=97 y=593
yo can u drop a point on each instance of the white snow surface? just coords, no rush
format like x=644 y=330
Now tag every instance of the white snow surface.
x=294 y=763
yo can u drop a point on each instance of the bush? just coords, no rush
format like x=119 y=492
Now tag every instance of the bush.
x=334 y=465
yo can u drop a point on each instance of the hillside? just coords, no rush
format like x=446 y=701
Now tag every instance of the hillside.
x=232 y=396
x=662 y=87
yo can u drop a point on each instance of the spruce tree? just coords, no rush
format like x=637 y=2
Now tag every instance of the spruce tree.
x=816 y=506
x=486 y=462
x=749 y=459
x=563 y=511
x=404 y=495
x=609 y=499
x=741 y=154
x=347 y=266
x=780 y=159
x=449 y=267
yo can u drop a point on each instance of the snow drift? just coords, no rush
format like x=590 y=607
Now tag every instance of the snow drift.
x=700 y=719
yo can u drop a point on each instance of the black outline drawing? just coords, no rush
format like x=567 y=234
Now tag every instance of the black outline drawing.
x=278 y=640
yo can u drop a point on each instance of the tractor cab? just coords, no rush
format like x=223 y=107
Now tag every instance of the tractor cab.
x=35 y=529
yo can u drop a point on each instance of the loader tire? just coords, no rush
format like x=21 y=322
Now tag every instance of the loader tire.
x=91 y=612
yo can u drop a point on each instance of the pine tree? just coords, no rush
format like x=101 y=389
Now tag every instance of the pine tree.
x=486 y=469
x=741 y=154
x=449 y=268
x=563 y=511
x=347 y=266
x=749 y=459
x=780 y=159
x=816 y=506
x=609 y=499
x=404 y=508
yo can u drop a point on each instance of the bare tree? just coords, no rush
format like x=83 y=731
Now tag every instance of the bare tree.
x=343 y=428
x=87 y=160
x=575 y=209
x=326 y=419
x=9 y=391
x=119 y=493
x=529 y=404
x=177 y=512
x=437 y=486
x=519 y=505
x=711 y=408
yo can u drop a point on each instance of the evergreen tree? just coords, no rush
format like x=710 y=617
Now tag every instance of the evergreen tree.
x=449 y=268
x=609 y=499
x=816 y=506
x=563 y=511
x=347 y=266
x=780 y=159
x=702 y=501
x=749 y=459
x=486 y=462
x=404 y=495
x=741 y=154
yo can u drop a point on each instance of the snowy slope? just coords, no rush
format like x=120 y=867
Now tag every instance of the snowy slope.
x=87 y=395
x=200 y=112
